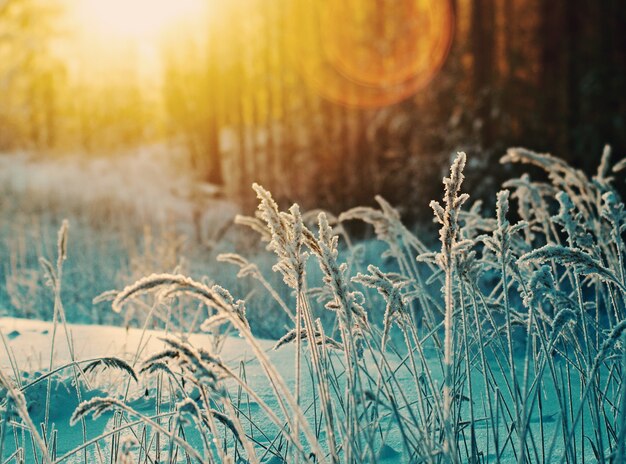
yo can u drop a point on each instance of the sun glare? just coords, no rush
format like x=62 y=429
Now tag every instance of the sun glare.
x=141 y=20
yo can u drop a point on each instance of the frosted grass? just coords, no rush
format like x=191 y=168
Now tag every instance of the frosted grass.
x=506 y=344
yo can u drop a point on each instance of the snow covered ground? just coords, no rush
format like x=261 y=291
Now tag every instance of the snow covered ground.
x=29 y=344
x=27 y=349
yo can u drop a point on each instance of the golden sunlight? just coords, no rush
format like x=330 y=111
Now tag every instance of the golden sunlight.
x=141 y=20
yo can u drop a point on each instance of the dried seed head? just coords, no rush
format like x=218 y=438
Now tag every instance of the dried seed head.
x=62 y=241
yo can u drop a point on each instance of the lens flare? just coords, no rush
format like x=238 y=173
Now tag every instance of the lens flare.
x=366 y=53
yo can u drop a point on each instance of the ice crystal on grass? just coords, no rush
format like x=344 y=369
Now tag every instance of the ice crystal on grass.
x=246 y=268
x=346 y=302
x=584 y=263
x=215 y=297
x=390 y=287
x=286 y=237
x=96 y=407
x=111 y=363
x=613 y=212
x=564 y=317
x=447 y=215
x=290 y=337
x=200 y=367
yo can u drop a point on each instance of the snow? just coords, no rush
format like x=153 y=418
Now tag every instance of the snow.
x=29 y=341
x=29 y=349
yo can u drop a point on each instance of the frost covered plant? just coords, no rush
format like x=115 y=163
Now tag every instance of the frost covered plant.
x=572 y=222
x=390 y=287
x=16 y=402
x=234 y=312
x=214 y=297
x=531 y=206
x=206 y=371
x=581 y=261
x=542 y=294
x=403 y=248
x=318 y=338
x=346 y=302
x=613 y=212
x=351 y=315
x=562 y=319
x=388 y=227
x=563 y=176
x=447 y=215
x=98 y=406
x=520 y=357
x=500 y=245
x=248 y=269
x=287 y=237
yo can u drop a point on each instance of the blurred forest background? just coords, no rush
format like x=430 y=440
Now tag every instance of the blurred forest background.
x=324 y=103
